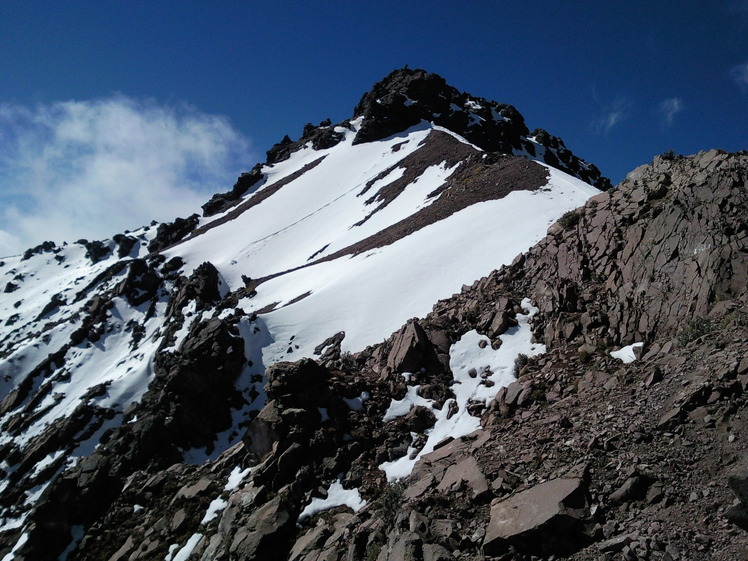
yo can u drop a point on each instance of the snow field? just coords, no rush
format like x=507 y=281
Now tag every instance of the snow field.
x=319 y=210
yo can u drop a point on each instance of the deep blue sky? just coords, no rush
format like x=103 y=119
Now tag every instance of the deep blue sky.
x=619 y=81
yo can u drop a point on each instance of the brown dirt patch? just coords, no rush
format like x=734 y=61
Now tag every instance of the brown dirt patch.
x=437 y=147
x=482 y=177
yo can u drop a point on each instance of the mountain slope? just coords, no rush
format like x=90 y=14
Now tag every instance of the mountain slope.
x=148 y=413
x=150 y=349
x=638 y=453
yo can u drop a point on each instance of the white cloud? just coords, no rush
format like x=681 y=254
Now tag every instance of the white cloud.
x=669 y=108
x=91 y=169
x=739 y=73
x=9 y=243
x=612 y=115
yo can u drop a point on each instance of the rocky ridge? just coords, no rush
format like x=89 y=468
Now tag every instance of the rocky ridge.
x=621 y=461
x=402 y=100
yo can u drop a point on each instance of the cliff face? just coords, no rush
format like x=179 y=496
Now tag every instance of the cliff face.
x=668 y=245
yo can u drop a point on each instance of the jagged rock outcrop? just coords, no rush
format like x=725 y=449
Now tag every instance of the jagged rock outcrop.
x=170 y=233
x=412 y=351
x=407 y=96
x=43 y=247
x=222 y=201
x=320 y=137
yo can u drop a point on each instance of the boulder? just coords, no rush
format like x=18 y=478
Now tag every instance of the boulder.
x=265 y=534
x=543 y=520
x=738 y=482
x=432 y=552
x=467 y=472
x=412 y=350
x=124 y=244
x=263 y=432
x=304 y=382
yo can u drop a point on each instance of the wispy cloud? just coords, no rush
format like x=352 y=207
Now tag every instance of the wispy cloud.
x=611 y=115
x=739 y=73
x=669 y=108
x=94 y=168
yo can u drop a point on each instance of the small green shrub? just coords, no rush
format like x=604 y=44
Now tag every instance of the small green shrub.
x=391 y=502
x=669 y=155
x=569 y=219
x=695 y=328
x=519 y=362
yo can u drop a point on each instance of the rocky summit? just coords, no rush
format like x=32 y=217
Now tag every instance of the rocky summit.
x=424 y=333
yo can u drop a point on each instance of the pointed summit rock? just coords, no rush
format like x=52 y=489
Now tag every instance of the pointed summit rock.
x=406 y=97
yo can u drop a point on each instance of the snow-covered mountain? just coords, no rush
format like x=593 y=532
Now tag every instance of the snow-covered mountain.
x=339 y=237
x=153 y=370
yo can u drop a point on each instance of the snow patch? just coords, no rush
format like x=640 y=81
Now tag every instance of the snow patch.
x=215 y=506
x=465 y=358
x=184 y=553
x=401 y=407
x=336 y=496
x=356 y=403
x=236 y=476
x=77 y=533
x=626 y=354
x=19 y=544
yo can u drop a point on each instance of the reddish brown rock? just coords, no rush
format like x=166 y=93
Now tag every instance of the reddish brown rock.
x=543 y=520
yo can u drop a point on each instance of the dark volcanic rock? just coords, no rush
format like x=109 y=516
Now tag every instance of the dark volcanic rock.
x=408 y=96
x=170 y=233
x=201 y=287
x=124 y=244
x=320 y=137
x=97 y=250
x=222 y=201
x=41 y=248
x=141 y=283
